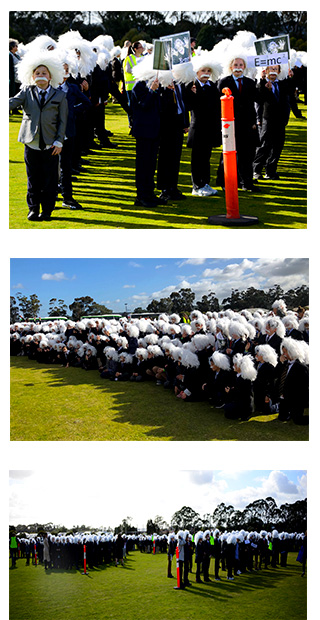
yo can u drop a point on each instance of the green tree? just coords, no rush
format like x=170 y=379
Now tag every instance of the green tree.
x=57 y=307
x=29 y=307
x=14 y=310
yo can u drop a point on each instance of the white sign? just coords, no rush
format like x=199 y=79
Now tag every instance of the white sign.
x=228 y=138
x=267 y=59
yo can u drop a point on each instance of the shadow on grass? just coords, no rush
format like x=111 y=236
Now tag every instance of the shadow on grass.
x=157 y=412
x=107 y=185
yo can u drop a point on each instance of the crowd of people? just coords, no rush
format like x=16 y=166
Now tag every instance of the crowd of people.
x=63 y=87
x=243 y=363
x=236 y=552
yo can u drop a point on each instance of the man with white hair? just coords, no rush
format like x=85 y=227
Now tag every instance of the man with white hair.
x=274 y=94
x=245 y=94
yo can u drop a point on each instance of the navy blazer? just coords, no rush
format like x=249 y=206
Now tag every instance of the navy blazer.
x=145 y=109
x=76 y=101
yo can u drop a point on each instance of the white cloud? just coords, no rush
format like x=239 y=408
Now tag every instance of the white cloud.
x=192 y=261
x=60 y=275
x=133 y=264
x=129 y=286
x=17 y=286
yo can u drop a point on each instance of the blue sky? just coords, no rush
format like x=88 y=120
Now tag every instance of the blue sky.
x=135 y=282
x=63 y=502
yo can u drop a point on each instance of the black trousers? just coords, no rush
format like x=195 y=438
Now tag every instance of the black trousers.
x=170 y=149
x=42 y=173
x=267 y=155
x=146 y=161
x=200 y=164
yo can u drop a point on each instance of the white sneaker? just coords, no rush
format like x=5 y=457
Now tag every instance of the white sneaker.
x=201 y=192
x=213 y=192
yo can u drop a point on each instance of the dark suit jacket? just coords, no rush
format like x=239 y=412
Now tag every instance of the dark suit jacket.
x=244 y=110
x=276 y=112
x=205 y=124
x=145 y=108
x=53 y=116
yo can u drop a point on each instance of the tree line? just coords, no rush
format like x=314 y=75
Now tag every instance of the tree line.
x=208 y=27
x=181 y=302
x=260 y=514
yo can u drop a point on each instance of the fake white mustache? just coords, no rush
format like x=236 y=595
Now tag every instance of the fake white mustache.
x=205 y=75
x=41 y=79
x=273 y=73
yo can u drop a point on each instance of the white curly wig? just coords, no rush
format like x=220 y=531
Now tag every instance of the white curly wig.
x=33 y=59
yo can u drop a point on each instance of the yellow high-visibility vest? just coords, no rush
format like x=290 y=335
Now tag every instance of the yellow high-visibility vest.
x=129 y=80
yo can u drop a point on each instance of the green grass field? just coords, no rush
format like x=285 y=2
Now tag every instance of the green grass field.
x=51 y=403
x=106 y=188
x=141 y=591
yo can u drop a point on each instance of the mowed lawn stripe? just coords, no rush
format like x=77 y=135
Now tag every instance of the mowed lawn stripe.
x=53 y=403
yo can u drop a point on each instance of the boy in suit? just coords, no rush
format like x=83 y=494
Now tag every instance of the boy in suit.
x=42 y=129
x=203 y=99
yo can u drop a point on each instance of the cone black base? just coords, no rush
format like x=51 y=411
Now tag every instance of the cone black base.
x=242 y=220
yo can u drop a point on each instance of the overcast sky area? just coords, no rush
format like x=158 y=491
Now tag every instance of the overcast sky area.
x=124 y=284
x=75 y=498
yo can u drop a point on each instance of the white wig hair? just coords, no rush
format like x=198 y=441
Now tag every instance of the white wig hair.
x=221 y=360
x=141 y=352
x=143 y=325
x=211 y=325
x=174 y=318
x=195 y=314
x=163 y=317
x=275 y=322
x=207 y=60
x=173 y=327
x=171 y=536
x=151 y=339
x=181 y=534
x=238 y=329
x=257 y=323
x=155 y=350
x=303 y=324
x=41 y=43
x=189 y=359
x=35 y=58
x=275 y=534
x=127 y=357
x=132 y=330
x=297 y=350
x=143 y=71
x=103 y=59
x=223 y=324
x=198 y=536
x=232 y=539
x=115 y=51
x=247 y=314
x=198 y=322
x=183 y=73
x=106 y=41
x=200 y=341
x=267 y=353
x=121 y=341
x=280 y=304
x=73 y=40
x=290 y=321
x=185 y=329
x=246 y=365
x=111 y=353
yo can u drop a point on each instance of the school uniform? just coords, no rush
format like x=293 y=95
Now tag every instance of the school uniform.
x=174 y=119
x=205 y=129
x=275 y=117
x=43 y=125
x=245 y=95
x=145 y=110
x=263 y=385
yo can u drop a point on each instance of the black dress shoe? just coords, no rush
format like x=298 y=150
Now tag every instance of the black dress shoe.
x=44 y=218
x=33 y=216
x=148 y=204
x=175 y=194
